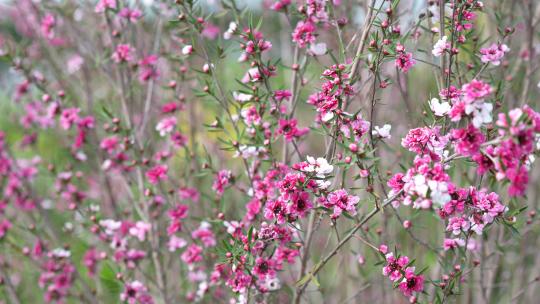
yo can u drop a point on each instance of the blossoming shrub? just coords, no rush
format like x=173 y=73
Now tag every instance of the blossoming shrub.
x=310 y=151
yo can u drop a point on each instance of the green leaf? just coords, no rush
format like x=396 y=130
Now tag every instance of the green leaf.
x=107 y=278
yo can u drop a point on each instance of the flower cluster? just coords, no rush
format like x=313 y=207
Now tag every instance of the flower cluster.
x=398 y=269
x=335 y=88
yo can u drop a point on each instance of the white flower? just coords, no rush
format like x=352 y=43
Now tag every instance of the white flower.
x=420 y=185
x=61 y=253
x=481 y=113
x=382 y=132
x=317 y=49
x=188 y=49
x=439 y=108
x=439 y=192
x=327 y=116
x=320 y=166
x=323 y=184
x=110 y=225
x=440 y=47
x=249 y=151
x=272 y=284
x=242 y=97
x=230 y=31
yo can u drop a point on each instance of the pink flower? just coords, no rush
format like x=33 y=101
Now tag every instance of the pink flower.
x=441 y=46
x=396 y=182
x=204 y=234
x=300 y=204
x=281 y=95
x=140 y=229
x=103 y=5
x=177 y=214
x=47 y=24
x=176 y=243
x=132 y=15
x=289 y=130
x=425 y=141
x=394 y=266
x=276 y=209
x=316 y=10
x=136 y=293
x=192 y=254
x=475 y=90
x=519 y=178
x=123 y=53
x=280 y=5
x=453 y=243
x=109 y=144
x=303 y=34
x=166 y=125
x=74 y=63
x=457 y=225
x=251 y=116
x=210 y=31
x=264 y=268
x=157 y=173
x=90 y=259
x=222 y=180
x=404 y=60
x=340 y=201
x=494 y=53
x=411 y=283
x=5 y=225
x=239 y=281
x=148 y=68
x=189 y=193
x=468 y=140
x=69 y=117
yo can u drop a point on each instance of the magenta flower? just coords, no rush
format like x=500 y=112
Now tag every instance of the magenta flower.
x=157 y=174
x=467 y=140
x=394 y=266
x=123 y=53
x=276 y=209
x=192 y=254
x=404 y=61
x=221 y=181
x=264 y=268
x=281 y=95
x=411 y=283
x=47 y=24
x=103 y=5
x=148 y=68
x=288 y=129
